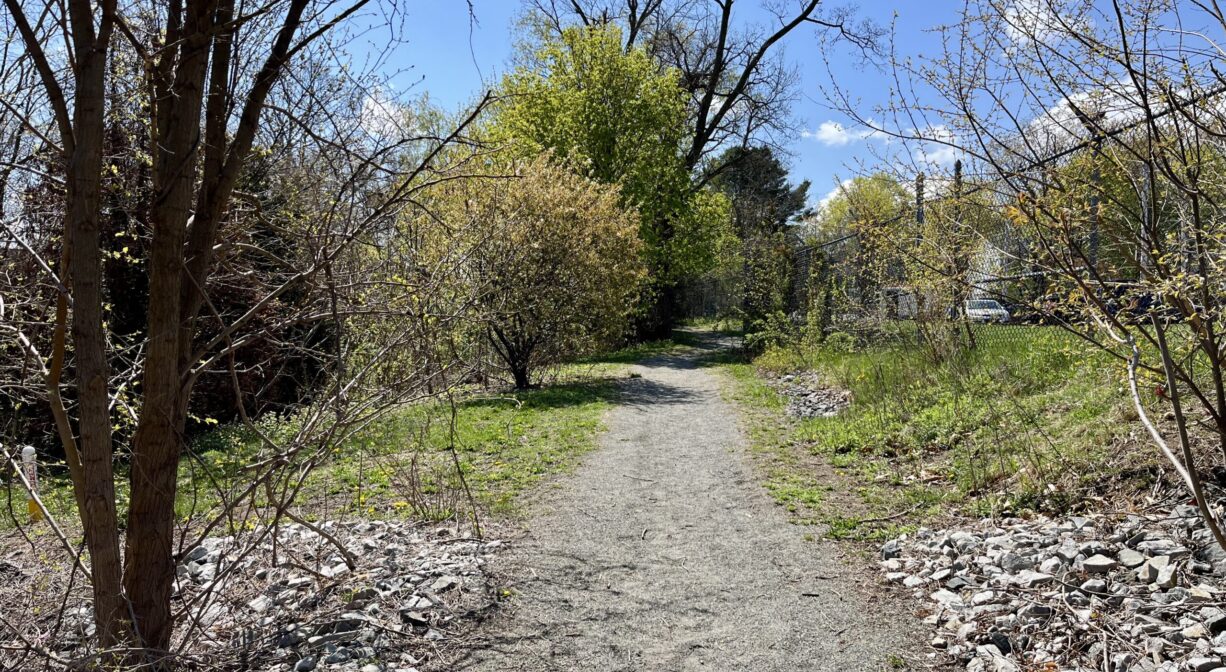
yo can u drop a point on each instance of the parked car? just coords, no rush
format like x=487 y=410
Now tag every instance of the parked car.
x=986 y=310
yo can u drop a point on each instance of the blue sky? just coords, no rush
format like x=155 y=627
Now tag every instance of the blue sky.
x=454 y=61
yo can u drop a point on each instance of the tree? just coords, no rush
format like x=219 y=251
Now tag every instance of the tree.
x=737 y=88
x=763 y=202
x=860 y=204
x=552 y=257
x=757 y=184
x=864 y=209
x=618 y=118
x=211 y=72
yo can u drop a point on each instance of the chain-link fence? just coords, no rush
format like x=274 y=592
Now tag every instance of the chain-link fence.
x=838 y=285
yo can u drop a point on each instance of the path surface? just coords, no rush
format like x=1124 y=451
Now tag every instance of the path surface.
x=662 y=552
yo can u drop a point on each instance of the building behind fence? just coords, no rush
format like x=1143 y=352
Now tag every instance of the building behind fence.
x=836 y=285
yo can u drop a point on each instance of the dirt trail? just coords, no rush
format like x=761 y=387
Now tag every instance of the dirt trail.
x=662 y=552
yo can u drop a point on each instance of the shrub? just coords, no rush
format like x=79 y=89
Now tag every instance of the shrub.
x=552 y=258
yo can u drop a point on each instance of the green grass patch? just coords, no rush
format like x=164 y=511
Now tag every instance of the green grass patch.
x=402 y=463
x=1031 y=418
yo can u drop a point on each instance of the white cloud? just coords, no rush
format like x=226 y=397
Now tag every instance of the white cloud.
x=940 y=148
x=1062 y=124
x=932 y=147
x=833 y=194
x=1047 y=22
x=834 y=134
x=382 y=115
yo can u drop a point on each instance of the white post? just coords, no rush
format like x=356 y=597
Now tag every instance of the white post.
x=29 y=464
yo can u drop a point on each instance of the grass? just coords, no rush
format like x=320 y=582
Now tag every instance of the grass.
x=1031 y=419
x=402 y=464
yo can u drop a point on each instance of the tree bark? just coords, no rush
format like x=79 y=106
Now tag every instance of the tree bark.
x=84 y=182
x=149 y=569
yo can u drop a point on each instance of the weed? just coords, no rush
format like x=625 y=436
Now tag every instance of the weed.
x=1006 y=426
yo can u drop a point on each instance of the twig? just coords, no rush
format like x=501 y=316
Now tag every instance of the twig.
x=350 y=561
x=895 y=516
x=47 y=515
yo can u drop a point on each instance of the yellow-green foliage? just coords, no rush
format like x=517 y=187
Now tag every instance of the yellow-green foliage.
x=619 y=118
x=551 y=258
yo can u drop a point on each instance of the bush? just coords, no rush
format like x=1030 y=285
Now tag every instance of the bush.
x=551 y=257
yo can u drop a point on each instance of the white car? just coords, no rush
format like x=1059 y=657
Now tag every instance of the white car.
x=986 y=310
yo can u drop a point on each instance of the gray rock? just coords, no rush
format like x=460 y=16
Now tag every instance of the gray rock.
x=1203 y=663
x=1162 y=547
x=1091 y=548
x=1166 y=577
x=291 y=638
x=1030 y=579
x=305 y=665
x=1148 y=571
x=958 y=583
x=1016 y=562
x=1216 y=624
x=947 y=598
x=1036 y=611
x=891 y=549
x=1001 y=641
x=1051 y=565
x=1172 y=596
x=1130 y=558
x=444 y=583
x=1094 y=587
x=1099 y=564
x=341 y=655
x=414 y=618
x=417 y=602
x=983 y=597
x=1195 y=631
x=1067 y=552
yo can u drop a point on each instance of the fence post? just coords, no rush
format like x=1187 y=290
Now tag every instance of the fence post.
x=1092 y=121
x=962 y=291
x=29 y=464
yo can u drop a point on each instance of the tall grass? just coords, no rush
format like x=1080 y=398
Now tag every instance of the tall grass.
x=1029 y=417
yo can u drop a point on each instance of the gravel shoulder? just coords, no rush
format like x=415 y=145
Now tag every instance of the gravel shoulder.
x=663 y=552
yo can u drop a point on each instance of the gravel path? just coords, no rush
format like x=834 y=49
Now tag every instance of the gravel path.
x=662 y=552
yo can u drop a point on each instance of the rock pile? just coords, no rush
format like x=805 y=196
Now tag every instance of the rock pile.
x=809 y=397
x=1124 y=594
x=292 y=602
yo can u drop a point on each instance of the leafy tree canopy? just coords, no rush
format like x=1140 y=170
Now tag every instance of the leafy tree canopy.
x=863 y=202
x=620 y=118
x=757 y=184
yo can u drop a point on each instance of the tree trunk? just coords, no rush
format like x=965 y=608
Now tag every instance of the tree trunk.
x=519 y=371
x=98 y=517
x=149 y=569
x=661 y=316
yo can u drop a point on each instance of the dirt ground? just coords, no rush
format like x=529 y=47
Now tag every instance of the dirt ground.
x=663 y=552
